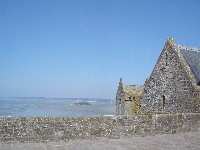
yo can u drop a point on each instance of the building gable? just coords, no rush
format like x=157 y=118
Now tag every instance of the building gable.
x=170 y=87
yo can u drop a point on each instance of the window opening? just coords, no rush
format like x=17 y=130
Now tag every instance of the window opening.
x=166 y=57
x=163 y=102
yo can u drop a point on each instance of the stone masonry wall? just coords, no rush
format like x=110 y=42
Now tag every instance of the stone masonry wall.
x=50 y=129
x=169 y=87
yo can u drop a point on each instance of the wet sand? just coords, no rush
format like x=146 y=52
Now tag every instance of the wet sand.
x=182 y=141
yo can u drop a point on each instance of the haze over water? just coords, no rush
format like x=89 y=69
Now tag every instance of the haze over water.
x=38 y=106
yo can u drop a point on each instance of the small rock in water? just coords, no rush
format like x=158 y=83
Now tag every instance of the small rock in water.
x=82 y=103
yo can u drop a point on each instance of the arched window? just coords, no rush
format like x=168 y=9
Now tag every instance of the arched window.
x=163 y=102
x=166 y=58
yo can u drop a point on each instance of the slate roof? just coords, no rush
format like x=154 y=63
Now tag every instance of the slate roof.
x=192 y=57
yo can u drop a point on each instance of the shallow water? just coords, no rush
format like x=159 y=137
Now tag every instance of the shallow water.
x=55 y=107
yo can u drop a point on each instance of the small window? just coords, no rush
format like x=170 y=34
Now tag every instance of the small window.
x=163 y=102
x=166 y=57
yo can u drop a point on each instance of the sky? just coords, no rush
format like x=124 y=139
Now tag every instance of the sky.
x=81 y=48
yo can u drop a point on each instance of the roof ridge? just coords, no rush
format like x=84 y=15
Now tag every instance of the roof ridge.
x=189 y=48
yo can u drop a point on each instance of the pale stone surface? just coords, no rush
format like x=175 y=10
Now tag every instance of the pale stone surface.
x=62 y=129
x=182 y=141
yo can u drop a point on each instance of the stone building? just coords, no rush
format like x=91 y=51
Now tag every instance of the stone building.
x=174 y=83
x=128 y=99
x=173 y=86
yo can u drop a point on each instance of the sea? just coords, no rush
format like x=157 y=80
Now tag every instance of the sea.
x=41 y=106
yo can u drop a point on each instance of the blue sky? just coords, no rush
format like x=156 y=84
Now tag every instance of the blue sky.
x=80 y=48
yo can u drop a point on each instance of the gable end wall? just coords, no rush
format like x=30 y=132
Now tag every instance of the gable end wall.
x=169 y=88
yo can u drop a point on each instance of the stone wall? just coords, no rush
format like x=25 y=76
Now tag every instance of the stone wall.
x=128 y=98
x=49 y=129
x=169 y=87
